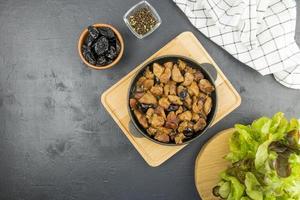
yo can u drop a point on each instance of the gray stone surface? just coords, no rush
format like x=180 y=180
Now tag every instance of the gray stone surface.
x=57 y=141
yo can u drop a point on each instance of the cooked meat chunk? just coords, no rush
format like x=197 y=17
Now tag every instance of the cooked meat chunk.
x=184 y=125
x=206 y=86
x=195 y=117
x=179 y=138
x=148 y=98
x=202 y=115
x=156 y=121
x=172 y=120
x=149 y=113
x=207 y=105
x=151 y=131
x=202 y=96
x=141 y=80
x=181 y=65
x=198 y=76
x=180 y=110
x=189 y=70
x=167 y=90
x=160 y=111
x=141 y=118
x=188 y=102
x=165 y=77
x=172 y=87
x=175 y=99
x=157 y=90
x=168 y=65
x=132 y=103
x=176 y=74
x=149 y=74
x=164 y=102
x=185 y=116
x=162 y=137
x=180 y=88
x=164 y=130
x=172 y=117
x=188 y=79
x=158 y=69
x=193 y=89
x=171 y=125
x=200 y=125
x=172 y=100
x=197 y=105
x=138 y=95
x=147 y=84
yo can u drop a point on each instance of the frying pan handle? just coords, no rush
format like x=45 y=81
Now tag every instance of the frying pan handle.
x=210 y=69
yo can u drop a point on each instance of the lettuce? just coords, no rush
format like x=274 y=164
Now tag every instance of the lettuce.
x=265 y=161
x=253 y=187
x=236 y=188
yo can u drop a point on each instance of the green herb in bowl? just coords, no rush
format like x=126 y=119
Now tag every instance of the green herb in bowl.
x=265 y=161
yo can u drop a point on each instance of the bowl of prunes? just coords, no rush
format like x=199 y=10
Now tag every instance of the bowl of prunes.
x=100 y=46
x=172 y=99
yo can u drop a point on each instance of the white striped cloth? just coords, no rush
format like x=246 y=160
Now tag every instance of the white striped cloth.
x=259 y=33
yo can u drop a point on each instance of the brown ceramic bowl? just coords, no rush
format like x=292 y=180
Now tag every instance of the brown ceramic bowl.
x=82 y=38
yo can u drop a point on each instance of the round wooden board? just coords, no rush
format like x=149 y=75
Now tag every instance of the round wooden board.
x=210 y=163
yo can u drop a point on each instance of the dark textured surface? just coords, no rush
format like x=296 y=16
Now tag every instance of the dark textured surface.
x=57 y=141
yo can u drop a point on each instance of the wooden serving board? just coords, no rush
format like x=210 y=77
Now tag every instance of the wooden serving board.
x=210 y=163
x=115 y=98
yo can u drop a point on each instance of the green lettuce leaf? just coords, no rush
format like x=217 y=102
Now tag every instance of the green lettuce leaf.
x=256 y=167
x=253 y=187
x=262 y=154
x=236 y=190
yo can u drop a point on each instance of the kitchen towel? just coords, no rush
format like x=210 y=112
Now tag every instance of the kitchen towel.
x=259 y=33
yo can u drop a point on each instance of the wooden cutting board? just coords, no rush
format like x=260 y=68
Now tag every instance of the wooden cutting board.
x=115 y=98
x=210 y=163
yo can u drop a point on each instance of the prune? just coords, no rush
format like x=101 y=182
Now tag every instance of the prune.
x=89 y=41
x=101 y=45
x=156 y=80
x=90 y=57
x=101 y=60
x=93 y=32
x=106 y=32
x=144 y=107
x=111 y=52
x=84 y=49
x=108 y=61
x=188 y=132
x=118 y=47
x=112 y=41
x=183 y=94
x=172 y=107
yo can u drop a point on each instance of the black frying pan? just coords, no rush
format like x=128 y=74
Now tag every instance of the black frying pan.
x=209 y=73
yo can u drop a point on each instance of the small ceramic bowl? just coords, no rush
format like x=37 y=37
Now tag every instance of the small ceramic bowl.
x=142 y=4
x=81 y=41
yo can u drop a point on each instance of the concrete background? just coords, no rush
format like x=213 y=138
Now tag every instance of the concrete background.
x=57 y=141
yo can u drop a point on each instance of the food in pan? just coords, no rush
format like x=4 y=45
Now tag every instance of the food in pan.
x=265 y=161
x=101 y=46
x=172 y=101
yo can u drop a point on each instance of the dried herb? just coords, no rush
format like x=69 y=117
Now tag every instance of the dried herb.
x=142 y=21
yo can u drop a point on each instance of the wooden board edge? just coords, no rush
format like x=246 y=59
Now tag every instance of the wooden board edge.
x=220 y=72
x=202 y=150
x=148 y=159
